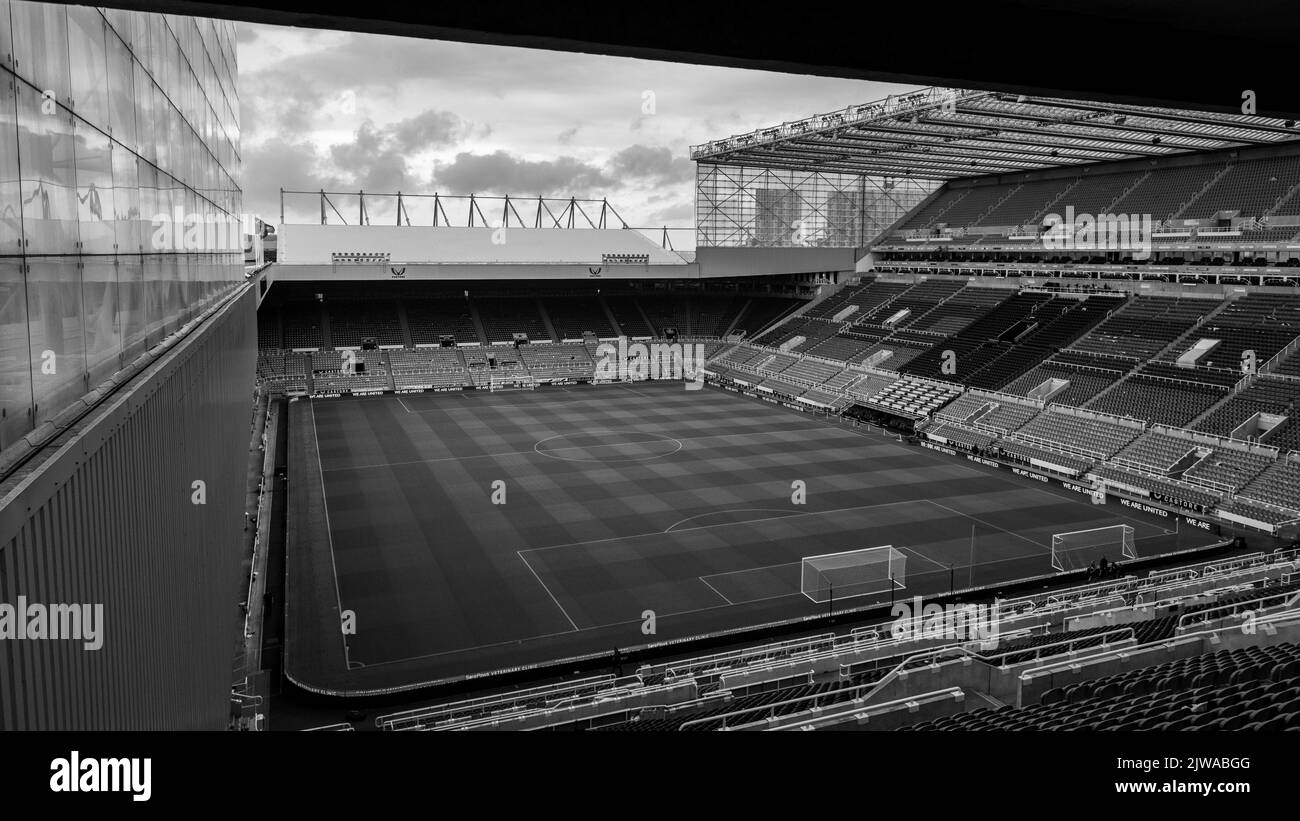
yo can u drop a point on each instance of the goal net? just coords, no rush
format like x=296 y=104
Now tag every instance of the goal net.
x=864 y=572
x=511 y=382
x=1080 y=548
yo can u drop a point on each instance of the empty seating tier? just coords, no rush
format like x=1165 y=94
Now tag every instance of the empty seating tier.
x=1144 y=326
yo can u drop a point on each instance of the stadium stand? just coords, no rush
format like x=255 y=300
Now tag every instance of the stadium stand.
x=573 y=316
x=1168 y=626
x=1093 y=437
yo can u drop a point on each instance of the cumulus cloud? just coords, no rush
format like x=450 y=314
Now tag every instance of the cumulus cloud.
x=657 y=164
x=380 y=157
x=503 y=173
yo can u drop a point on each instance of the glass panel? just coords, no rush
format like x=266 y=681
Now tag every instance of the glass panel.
x=11 y=221
x=94 y=190
x=58 y=354
x=86 y=61
x=169 y=287
x=48 y=180
x=132 y=309
x=121 y=22
x=141 y=45
x=6 y=37
x=121 y=93
x=99 y=303
x=154 y=297
x=15 y=364
x=41 y=45
x=146 y=127
x=126 y=201
x=162 y=115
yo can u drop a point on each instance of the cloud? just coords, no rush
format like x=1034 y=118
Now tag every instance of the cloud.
x=657 y=164
x=426 y=130
x=566 y=136
x=379 y=157
x=504 y=173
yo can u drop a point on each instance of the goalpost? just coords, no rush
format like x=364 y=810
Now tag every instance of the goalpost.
x=512 y=382
x=1080 y=548
x=844 y=575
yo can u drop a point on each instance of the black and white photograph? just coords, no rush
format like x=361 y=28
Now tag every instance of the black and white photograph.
x=626 y=373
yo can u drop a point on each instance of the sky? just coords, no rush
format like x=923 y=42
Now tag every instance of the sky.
x=348 y=111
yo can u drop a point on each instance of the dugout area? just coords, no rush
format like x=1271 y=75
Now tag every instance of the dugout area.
x=627 y=508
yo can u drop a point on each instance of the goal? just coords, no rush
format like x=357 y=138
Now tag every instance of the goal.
x=511 y=382
x=851 y=573
x=1080 y=548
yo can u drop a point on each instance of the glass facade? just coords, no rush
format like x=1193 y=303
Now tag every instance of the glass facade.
x=119 y=201
x=741 y=206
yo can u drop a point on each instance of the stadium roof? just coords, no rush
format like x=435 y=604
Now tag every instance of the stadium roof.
x=942 y=133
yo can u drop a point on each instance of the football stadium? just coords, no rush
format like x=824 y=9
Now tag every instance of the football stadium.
x=967 y=410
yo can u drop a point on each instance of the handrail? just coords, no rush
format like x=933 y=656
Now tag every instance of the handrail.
x=1289 y=598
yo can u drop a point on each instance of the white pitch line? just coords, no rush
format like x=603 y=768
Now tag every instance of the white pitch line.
x=329 y=531
x=1048 y=548
x=715 y=590
x=669 y=529
x=548 y=590
x=721 y=524
x=918 y=554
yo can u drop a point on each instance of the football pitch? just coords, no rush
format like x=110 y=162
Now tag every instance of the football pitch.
x=463 y=533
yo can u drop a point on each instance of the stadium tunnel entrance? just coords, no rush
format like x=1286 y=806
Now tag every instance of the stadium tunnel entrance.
x=898 y=423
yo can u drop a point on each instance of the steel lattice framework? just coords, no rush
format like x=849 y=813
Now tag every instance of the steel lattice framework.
x=841 y=179
x=943 y=133
x=777 y=207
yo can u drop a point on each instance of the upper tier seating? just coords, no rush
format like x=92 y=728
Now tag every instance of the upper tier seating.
x=1085 y=382
x=1158 y=400
x=833 y=304
x=840 y=348
x=572 y=316
x=963 y=308
x=302 y=326
x=503 y=317
x=630 y=321
x=1251 y=187
x=1027 y=201
x=762 y=312
x=1166 y=190
x=351 y=322
x=1266 y=395
x=430 y=320
x=713 y=316
x=1144 y=326
x=268 y=330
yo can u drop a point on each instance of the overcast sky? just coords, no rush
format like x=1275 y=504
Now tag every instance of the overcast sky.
x=352 y=111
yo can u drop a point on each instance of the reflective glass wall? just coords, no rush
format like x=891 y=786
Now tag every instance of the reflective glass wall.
x=743 y=206
x=119 y=206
